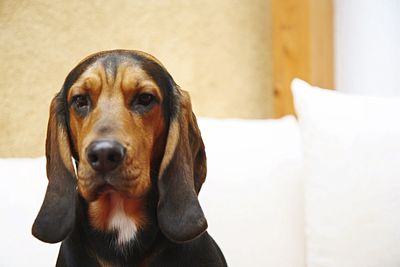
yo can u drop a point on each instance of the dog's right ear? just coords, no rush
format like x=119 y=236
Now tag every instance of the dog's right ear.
x=57 y=215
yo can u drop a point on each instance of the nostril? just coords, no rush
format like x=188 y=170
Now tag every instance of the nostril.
x=117 y=153
x=93 y=157
x=115 y=158
x=105 y=155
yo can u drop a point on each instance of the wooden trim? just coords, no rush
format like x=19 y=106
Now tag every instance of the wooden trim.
x=302 y=46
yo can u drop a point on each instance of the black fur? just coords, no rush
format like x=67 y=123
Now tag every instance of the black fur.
x=84 y=245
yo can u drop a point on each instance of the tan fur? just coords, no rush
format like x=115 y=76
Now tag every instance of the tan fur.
x=65 y=153
x=100 y=211
x=172 y=141
x=174 y=131
x=104 y=263
x=116 y=197
x=57 y=139
x=139 y=134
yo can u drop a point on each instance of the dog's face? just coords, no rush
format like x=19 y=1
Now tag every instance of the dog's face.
x=117 y=127
x=129 y=127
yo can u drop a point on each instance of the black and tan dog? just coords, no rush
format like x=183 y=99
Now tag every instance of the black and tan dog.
x=140 y=163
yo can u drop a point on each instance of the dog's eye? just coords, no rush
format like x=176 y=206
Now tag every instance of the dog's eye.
x=143 y=102
x=145 y=99
x=81 y=104
x=81 y=101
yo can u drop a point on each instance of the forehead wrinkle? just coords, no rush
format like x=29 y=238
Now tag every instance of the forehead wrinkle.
x=98 y=71
x=89 y=79
x=95 y=79
x=130 y=76
x=103 y=78
x=110 y=65
x=118 y=81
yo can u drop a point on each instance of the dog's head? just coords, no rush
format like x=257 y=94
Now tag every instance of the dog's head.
x=123 y=119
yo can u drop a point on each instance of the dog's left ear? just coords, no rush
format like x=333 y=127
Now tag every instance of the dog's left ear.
x=182 y=172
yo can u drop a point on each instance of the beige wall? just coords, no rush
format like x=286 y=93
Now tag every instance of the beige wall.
x=219 y=51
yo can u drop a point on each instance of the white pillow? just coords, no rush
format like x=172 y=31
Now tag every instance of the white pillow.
x=352 y=190
x=23 y=184
x=252 y=197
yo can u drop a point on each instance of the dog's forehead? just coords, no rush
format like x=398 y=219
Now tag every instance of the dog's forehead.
x=115 y=65
x=114 y=70
x=110 y=63
x=111 y=60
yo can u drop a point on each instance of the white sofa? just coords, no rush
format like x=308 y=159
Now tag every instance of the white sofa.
x=324 y=191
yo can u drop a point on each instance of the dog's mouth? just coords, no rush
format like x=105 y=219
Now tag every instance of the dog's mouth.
x=130 y=183
x=96 y=189
x=105 y=189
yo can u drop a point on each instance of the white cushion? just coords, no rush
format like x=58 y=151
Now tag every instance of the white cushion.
x=22 y=191
x=352 y=190
x=252 y=196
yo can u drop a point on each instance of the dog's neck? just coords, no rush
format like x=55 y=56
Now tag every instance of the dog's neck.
x=114 y=213
x=119 y=229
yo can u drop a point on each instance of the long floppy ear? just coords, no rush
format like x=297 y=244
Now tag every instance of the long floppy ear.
x=182 y=172
x=56 y=217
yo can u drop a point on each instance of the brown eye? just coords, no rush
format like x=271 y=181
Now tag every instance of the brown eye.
x=143 y=103
x=145 y=99
x=81 y=104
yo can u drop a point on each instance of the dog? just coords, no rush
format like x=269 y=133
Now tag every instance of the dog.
x=125 y=163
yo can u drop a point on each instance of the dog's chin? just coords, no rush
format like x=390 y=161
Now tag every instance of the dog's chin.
x=105 y=189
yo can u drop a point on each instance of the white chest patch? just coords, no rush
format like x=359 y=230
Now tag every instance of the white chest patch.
x=123 y=224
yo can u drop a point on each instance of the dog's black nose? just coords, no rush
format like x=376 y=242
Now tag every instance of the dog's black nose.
x=105 y=155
